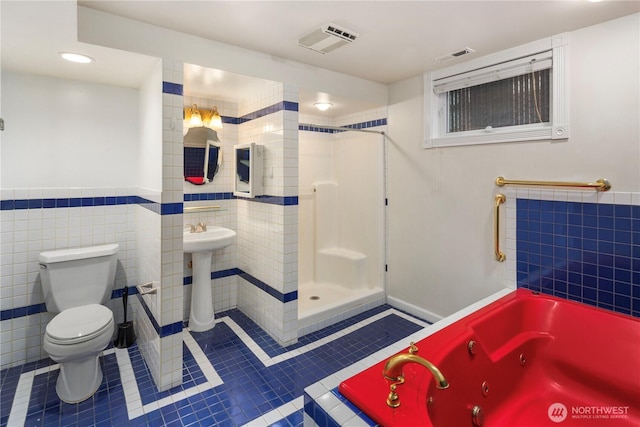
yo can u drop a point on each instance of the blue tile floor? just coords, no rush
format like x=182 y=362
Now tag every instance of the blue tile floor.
x=233 y=375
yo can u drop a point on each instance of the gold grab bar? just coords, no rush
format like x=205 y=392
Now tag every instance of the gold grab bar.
x=500 y=199
x=599 y=185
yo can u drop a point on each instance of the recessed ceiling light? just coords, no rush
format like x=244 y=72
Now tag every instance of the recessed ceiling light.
x=76 y=57
x=323 y=106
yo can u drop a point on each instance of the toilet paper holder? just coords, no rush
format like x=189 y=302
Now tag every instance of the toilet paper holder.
x=147 y=288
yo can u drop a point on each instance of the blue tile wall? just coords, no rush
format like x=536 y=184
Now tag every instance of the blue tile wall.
x=586 y=252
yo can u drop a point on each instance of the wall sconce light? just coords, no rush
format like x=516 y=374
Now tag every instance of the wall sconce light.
x=323 y=106
x=215 y=121
x=193 y=116
x=198 y=118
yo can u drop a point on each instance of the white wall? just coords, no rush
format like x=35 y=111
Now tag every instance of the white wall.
x=149 y=171
x=441 y=200
x=64 y=133
x=63 y=140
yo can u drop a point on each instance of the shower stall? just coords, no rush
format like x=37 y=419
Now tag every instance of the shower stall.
x=341 y=235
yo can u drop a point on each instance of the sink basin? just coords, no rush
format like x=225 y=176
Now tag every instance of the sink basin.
x=201 y=246
x=214 y=238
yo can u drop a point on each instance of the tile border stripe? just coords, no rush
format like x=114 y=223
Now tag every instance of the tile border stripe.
x=273 y=200
x=279 y=106
x=361 y=125
x=172 y=88
x=82 y=202
x=159 y=208
x=283 y=298
x=192 y=197
x=162 y=331
x=14 y=313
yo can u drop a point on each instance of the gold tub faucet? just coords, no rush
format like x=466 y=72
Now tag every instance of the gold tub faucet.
x=393 y=368
x=393 y=372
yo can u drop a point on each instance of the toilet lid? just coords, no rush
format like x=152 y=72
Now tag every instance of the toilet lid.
x=79 y=323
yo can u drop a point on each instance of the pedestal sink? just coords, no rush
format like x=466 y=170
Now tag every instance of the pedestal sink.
x=201 y=246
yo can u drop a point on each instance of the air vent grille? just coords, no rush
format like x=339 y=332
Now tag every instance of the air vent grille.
x=327 y=38
x=457 y=54
x=348 y=36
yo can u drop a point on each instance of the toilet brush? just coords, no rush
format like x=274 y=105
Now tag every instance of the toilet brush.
x=126 y=335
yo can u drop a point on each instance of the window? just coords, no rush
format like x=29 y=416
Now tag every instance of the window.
x=514 y=101
x=515 y=95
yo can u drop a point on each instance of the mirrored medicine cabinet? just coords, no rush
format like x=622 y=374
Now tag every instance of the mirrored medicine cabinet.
x=248 y=166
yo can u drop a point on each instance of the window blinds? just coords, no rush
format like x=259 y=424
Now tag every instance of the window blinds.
x=514 y=101
x=505 y=70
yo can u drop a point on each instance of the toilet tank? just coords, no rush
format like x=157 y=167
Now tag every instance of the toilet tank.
x=80 y=276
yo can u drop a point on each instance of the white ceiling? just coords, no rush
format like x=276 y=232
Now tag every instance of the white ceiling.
x=397 y=39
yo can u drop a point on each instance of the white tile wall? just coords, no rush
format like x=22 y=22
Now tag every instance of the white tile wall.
x=149 y=255
x=267 y=233
x=172 y=153
x=170 y=295
x=170 y=361
x=160 y=256
x=269 y=313
x=148 y=341
x=171 y=282
x=26 y=233
x=261 y=242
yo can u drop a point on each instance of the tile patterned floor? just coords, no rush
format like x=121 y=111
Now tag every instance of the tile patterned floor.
x=233 y=375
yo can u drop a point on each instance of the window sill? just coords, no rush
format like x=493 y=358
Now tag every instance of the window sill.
x=496 y=136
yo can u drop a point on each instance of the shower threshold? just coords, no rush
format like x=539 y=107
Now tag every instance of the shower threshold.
x=324 y=304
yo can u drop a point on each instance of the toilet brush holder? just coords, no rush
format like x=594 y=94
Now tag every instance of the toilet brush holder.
x=126 y=335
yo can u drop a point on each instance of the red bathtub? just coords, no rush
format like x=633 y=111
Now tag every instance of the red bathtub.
x=535 y=361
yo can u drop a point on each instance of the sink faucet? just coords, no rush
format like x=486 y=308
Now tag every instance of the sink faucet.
x=197 y=228
x=393 y=372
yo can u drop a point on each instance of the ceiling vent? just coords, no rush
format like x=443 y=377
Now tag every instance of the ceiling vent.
x=327 y=38
x=445 y=58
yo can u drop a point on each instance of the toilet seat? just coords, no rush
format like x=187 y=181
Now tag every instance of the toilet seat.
x=79 y=324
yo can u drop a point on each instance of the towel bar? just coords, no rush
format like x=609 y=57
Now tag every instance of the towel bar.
x=599 y=185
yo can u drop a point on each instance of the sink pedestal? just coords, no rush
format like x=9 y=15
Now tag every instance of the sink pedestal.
x=201 y=246
x=201 y=317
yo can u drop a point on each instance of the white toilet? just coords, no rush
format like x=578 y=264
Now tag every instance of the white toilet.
x=75 y=282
